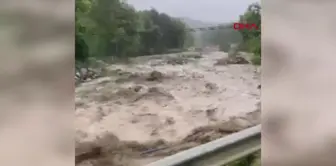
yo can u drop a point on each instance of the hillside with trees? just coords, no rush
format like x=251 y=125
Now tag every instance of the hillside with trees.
x=113 y=28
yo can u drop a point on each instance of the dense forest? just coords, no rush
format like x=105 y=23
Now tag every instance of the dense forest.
x=113 y=28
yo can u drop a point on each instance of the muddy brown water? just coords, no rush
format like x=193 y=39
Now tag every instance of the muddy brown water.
x=155 y=114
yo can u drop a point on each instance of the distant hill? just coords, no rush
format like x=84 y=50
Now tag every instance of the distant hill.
x=196 y=23
x=222 y=38
x=191 y=23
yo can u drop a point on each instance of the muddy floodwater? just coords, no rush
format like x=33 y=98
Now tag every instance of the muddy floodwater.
x=165 y=101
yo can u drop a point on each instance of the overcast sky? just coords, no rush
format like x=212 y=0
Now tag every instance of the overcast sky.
x=203 y=10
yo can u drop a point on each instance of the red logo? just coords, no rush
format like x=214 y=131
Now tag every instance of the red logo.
x=240 y=26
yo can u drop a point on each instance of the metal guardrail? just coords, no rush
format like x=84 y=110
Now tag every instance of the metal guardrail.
x=219 y=152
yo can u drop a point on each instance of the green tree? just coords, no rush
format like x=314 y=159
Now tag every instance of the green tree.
x=160 y=32
x=81 y=47
x=113 y=28
x=252 y=38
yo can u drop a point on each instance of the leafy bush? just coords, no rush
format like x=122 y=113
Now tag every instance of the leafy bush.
x=251 y=160
x=256 y=60
x=254 y=46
